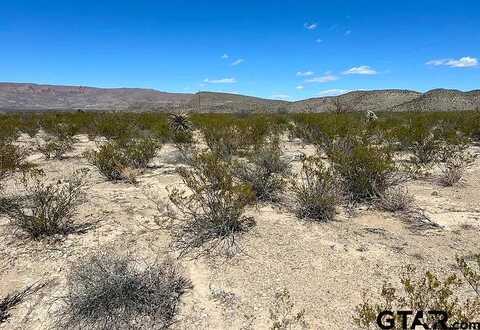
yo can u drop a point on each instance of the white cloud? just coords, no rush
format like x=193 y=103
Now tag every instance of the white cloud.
x=305 y=73
x=280 y=97
x=221 y=81
x=363 y=69
x=319 y=40
x=300 y=87
x=464 y=62
x=322 y=79
x=332 y=92
x=310 y=26
x=225 y=56
x=237 y=62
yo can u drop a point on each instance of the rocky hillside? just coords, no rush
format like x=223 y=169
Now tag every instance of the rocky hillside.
x=43 y=97
x=14 y=97
x=379 y=100
x=442 y=100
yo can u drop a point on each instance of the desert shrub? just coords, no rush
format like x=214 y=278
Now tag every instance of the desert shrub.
x=211 y=215
x=265 y=171
x=9 y=302
x=366 y=170
x=140 y=151
x=115 y=159
x=12 y=158
x=427 y=293
x=109 y=160
x=112 y=126
x=223 y=141
x=454 y=166
x=316 y=191
x=8 y=129
x=60 y=140
x=45 y=209
x=395 y=199
x=54 y=147
x=107 y=290
x=283 y=315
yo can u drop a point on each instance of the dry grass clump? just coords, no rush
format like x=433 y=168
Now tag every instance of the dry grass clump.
x=9 y=302
x=395 y=199
x=265 y=170
x=455 y=166
x=316 y=191
x=116 y=159
x=111 y=291
x=211 y=214
x=428 y=293
x=45 y=209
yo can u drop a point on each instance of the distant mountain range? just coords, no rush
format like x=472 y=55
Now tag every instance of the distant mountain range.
x=33 y=97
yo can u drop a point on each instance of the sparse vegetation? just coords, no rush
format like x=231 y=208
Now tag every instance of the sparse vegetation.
x=395 y=199
x=211 y=215
x=265 y=170
x=9 y=302
x=107 y=290
x=317 y=191
x=117 y=160
x=45 y=209
x=282 y=314
x=454 y=166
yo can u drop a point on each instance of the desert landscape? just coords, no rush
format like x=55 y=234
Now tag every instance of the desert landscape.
x=237 y=221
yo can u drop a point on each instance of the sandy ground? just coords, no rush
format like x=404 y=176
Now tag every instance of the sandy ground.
x=325 y=266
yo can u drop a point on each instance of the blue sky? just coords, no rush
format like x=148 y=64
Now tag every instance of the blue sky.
x=274 y=49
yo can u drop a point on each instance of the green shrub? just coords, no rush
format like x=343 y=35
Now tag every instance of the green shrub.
x=366 y=170
x=12 y=158
x=265 y=171
x=211 y=214
x=54 y=147
x=427 y=293
x=316 y=191
x=45 y=209
x=114 y=158
x=106 y=290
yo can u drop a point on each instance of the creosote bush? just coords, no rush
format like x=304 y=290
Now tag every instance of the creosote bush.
x=428 y=293
x=12 y=158
x=265 y=171
x=54 y=147
x=116 y=159
x=211 y=214
x=107 y=290
x=316 y=191
x=45 y=209
x=366 y=170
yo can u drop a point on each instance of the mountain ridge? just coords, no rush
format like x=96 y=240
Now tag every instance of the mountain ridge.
x=43 y=97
